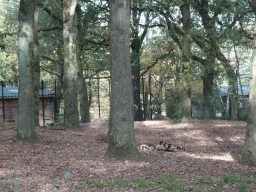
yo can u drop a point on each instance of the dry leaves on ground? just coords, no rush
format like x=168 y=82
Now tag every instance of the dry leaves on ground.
x=213 y=150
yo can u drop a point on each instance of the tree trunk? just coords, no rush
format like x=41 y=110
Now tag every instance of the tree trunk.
x=212 y=34
x=121 y=123
x=82 y=87
x=29 y=72
x=248 y=156
x=136 y=45
x=208 y=95
x=36 y=67
x=208 y=86
x=186 y=102
x=71 y=116
x=136 y=85
x=59 y=89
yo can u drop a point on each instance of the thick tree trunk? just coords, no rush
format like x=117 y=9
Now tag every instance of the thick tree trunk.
x=121 y=123
x=28 y=72
x=59 y=88
x=82 y=87
x=186 y=101
x=208 y=87
x=248 y=156
x=208 y=95
x=71 y=116
x=212 y=34
x=36 y=66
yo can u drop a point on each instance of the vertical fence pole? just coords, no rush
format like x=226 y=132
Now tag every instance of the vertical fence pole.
x=238 y=111
x=149 y=81
x=55 y=101
x=3 y=100
x=42 y=82
x=143 y=98
x=98 y=84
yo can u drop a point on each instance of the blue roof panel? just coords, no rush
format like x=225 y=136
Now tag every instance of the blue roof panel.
x=12 y=92
x=224 y=90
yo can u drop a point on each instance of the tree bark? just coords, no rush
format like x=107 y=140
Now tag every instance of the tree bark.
x=186 y=102
x=121 y=123
x=248 y=156
x=71 y=116
x=249 y=151
x=59 y=89
x=82 y=87
x=136 y=46
x=208 y=95
x=208 y=86
x=29 y=73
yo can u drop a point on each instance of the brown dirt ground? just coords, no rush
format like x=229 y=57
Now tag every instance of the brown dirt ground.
x=213 y=149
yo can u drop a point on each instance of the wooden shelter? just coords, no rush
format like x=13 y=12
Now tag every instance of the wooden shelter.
x=9 y=105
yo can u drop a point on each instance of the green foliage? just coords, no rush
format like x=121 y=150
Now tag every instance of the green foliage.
x=79 y=187
x=55 y=185
x=8 y=176
x=66 y=175
x=204 y=181
x=238 y=179
x=203 y=116
x=97 y=184
x=142 y=183
x=245 y=116
x=121 y=183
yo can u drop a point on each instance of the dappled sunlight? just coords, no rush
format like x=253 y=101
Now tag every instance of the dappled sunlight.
x=151 y=122
x=219 y=139
x=196 y=135
x=222 y=125
x=238 y=139
x=224 y=156
x=161 y=124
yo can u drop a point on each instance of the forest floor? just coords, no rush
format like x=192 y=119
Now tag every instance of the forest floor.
x=209 y=163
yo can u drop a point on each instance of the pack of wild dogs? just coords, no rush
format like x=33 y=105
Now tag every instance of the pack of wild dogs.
x=163 y=146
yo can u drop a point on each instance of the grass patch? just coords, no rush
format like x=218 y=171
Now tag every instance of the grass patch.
x=142 y=183
x=238 y=179
x=79 y=187
x=122 y=184
x=96 y=183
x=171 y=183
x=204 y=181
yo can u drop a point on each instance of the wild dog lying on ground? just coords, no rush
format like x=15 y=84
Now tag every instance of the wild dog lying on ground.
x=173 y=148
x=146 y=148
x=161 y=147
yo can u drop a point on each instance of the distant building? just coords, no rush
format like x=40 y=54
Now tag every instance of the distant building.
x=243 y=103
x=9 y=99
x=224 y=99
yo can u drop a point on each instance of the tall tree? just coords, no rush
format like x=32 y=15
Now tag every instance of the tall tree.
x=248 y=156
x=186 y=68
x=208 y=23
x=71 y=116
x=136 y=46
x=208 y=78
x=82 y=87
x=28 y=56
x=121 y=123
